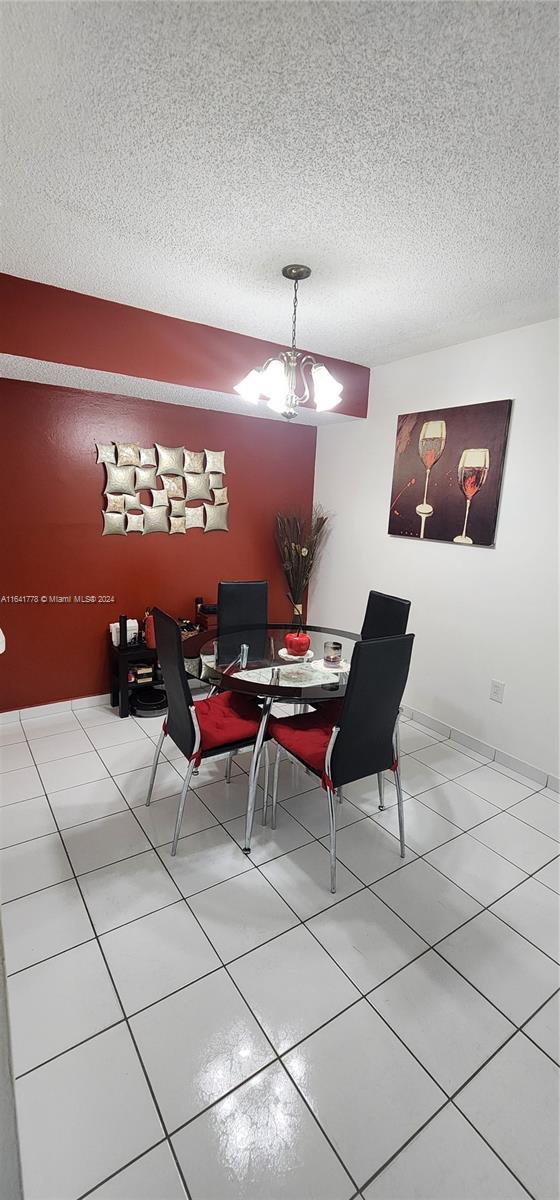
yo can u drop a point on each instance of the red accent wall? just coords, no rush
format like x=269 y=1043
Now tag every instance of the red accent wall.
x=52 y=492
x=44 y=322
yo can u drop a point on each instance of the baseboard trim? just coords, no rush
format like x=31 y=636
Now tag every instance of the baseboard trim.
x=52 y=710
x=8 y=718
x=516 y=764
x=60 y=706
x=91 y=701
x=425 y=719
x=496 y=755
x=45 y=710
x=412 y=714
x=473 y=743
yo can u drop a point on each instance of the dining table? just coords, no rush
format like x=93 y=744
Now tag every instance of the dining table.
x=253 y=660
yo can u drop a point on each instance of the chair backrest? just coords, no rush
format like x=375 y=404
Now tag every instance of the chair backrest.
x=179 y=700
x=386 y=616
x=378 y=675
x=242 y=604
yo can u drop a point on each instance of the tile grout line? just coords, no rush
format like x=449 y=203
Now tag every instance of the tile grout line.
x=539 y=787
x=362 y=996
x=126 y=1020
x=244 y=1001
x=482 y=909
x=418 y=857
x=540 y=1048
x=448 y=1104
x=305 y=1039
x=75 y=1045
x=428 y=945
x=495 y=1152
x=417 y=796
x=276 y=1055
x=299 y=921
x=164 y=1142
x=538 y=1010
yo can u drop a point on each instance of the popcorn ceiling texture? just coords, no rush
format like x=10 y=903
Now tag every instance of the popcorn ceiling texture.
x=174 y=156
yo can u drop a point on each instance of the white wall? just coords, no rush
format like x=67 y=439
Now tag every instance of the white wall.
x=477 y=613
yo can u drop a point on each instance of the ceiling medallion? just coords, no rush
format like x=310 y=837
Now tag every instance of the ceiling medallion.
x=277 y=380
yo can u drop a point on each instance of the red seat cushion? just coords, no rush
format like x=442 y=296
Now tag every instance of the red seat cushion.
x=225 y=718
x=307 y=737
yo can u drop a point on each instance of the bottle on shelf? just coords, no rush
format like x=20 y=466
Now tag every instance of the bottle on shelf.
x=149 y=630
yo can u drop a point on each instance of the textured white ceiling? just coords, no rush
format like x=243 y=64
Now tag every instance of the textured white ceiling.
x=175 y=155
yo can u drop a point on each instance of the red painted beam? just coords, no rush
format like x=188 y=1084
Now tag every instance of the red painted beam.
x=51 y=323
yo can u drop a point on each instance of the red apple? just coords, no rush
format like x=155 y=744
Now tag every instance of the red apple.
x=297 y=643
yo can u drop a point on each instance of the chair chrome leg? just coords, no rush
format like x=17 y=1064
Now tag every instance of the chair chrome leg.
x=400 y=809
x=181 y=808
x=275 y=785
x=332 y=830
x=265 y=782
x=254 y=773
x=161 y=740
x=397 y=738
x=228 y=768
x=381 y=789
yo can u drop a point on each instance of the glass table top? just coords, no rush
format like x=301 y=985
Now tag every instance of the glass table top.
x=256 y=661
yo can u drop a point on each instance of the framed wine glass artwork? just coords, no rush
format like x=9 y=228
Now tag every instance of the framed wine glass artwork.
x=447 y=473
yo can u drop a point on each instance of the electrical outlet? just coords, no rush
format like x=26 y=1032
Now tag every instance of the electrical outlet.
x=497 y=689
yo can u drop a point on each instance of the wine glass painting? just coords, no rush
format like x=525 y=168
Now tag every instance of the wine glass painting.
x=472 y=471
x=447 y=473
x=431 y=445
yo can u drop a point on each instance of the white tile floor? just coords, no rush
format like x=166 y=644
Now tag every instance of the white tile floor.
x=223 y=1028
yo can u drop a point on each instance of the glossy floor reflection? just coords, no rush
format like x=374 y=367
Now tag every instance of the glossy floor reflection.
x=223 y=1028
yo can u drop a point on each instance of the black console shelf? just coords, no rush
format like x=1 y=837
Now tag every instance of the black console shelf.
x=122 y=658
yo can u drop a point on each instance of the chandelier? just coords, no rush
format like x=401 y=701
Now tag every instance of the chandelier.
x=278 y=379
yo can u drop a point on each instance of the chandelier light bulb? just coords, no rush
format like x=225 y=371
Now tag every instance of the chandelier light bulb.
x=326 y=389
x=278 y=404
x=274 y=383
x=250 y=388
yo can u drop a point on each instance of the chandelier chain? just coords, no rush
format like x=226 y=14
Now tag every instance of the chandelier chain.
x=294 y=314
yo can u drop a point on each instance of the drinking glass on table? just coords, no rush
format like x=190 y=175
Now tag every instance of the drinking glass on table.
x=332 y=654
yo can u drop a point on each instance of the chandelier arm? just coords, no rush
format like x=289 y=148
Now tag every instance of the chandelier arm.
x=305 y=360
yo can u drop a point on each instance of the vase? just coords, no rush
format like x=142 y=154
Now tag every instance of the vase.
x=297 y=615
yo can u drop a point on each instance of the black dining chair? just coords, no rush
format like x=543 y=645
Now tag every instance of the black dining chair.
x=386 y=616
x=220 y=724
x=362 y=740
x=242 y=603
